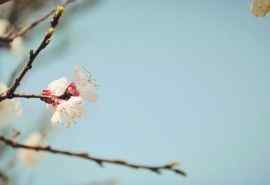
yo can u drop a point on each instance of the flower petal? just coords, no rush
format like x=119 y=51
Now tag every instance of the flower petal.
x=85 y=84
x=68 y=111
x=58 y=87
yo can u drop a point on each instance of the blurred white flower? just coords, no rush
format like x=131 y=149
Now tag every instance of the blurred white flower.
x=3 y=26
x=17 y=47
x=260 y=7
x=10 y=109
x=68 y=111
x=30 y=157
x=66 y=97
x=85 y=84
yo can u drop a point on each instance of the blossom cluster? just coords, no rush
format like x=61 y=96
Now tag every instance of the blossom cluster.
x=66 y=97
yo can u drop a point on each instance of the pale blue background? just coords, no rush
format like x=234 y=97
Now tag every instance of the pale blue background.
x=179 y=80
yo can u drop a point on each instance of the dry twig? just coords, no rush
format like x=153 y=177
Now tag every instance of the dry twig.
x=100 y=161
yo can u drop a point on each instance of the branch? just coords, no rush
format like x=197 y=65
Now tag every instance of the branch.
x=24 y=30
x=27 y=96
x=99 y=161
x=33 y=54
x=6 y=40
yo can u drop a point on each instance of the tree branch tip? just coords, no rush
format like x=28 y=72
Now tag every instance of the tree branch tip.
x=60 y=10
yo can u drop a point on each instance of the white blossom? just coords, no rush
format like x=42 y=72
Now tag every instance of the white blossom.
x=260 y=7
x=68 y=111
x=58 y=87
x=10 y=109
x=85 y=84
x=66 y=98
x=30 y=157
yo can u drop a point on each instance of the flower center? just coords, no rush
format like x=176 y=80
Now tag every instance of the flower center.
x=70 y=91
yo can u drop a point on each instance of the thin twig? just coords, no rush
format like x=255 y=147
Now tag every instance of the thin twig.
x=33 y=54
x=15 y=95
x=27 y=96
x=6 y=40
x=25 y=29
x=100 y=161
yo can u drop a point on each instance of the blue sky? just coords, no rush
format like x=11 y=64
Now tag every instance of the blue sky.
x=178 y=80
